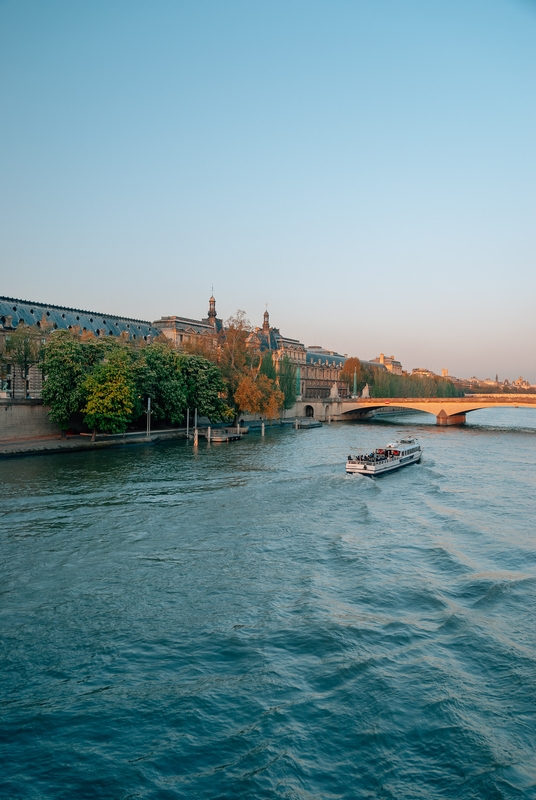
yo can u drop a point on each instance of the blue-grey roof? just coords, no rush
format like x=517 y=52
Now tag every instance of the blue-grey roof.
x=321 y=357
x=65 y=318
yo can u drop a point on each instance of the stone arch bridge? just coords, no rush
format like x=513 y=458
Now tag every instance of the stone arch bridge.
x=447 y=410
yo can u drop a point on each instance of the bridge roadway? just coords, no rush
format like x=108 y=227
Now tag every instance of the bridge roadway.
x=447 y=410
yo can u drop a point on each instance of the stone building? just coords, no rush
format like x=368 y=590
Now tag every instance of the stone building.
x=48 y=318
x=389 y=362
x=318 y=370
x=183 y=330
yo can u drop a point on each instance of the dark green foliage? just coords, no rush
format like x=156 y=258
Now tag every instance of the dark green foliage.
x=204 y=385
x=158 y=376
x=287 y=382
x=268 y=366
x=109 y=381
x=23 y=348
x=65 y=366
x=384 y=384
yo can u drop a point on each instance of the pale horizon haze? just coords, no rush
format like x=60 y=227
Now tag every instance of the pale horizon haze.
x=368 y=170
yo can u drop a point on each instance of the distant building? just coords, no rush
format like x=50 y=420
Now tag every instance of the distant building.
x=521 y=383
x=390 y=363
x=422 y=372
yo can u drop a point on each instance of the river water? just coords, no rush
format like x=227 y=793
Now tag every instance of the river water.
x=249 y=621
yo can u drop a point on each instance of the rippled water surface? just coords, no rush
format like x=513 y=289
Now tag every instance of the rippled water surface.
x=249 y=621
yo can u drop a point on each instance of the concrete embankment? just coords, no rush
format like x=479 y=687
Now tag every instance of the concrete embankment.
x=54 y=444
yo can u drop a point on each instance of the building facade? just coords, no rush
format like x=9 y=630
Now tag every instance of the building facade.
x=48 y=318
x=183 y=331
x=318 y=370
x=389 y=362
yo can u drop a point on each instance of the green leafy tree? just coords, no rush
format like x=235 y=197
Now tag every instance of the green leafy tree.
x=204 y=388
x=65 y=366
x=111 y=394
x=158 y=375
x=287 y=381
x=4 y=364
x=23 y=349
x=384 y=384
x=267 y=366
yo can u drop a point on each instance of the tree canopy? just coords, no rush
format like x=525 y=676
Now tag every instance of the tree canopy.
x=249 y=377
x=287 y=381
x=353 y=366
x=109 y=380
x=23 y=348
x=65 y=366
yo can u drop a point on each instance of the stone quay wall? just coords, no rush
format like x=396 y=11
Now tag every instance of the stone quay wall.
x=25 y=419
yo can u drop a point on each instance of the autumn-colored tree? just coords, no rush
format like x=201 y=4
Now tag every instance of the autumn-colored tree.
x=236 y=358
x=352 y=366
x=248 y=395
x=205 y=346
x=259 y=395
x=272 y=398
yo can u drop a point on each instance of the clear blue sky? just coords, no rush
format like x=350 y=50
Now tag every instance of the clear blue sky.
x=367 y=169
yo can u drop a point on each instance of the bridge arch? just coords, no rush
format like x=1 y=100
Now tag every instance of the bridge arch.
x=447 y=411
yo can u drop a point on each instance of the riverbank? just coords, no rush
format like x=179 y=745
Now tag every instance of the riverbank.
x=47 y=444
x=77 y=442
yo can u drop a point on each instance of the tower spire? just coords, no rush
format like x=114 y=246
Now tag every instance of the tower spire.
x=266 y=323
x=212 y=309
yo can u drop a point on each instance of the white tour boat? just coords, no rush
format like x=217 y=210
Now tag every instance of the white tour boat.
x=386 y=459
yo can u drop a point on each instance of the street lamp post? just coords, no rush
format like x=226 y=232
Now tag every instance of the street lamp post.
x=148 y=417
